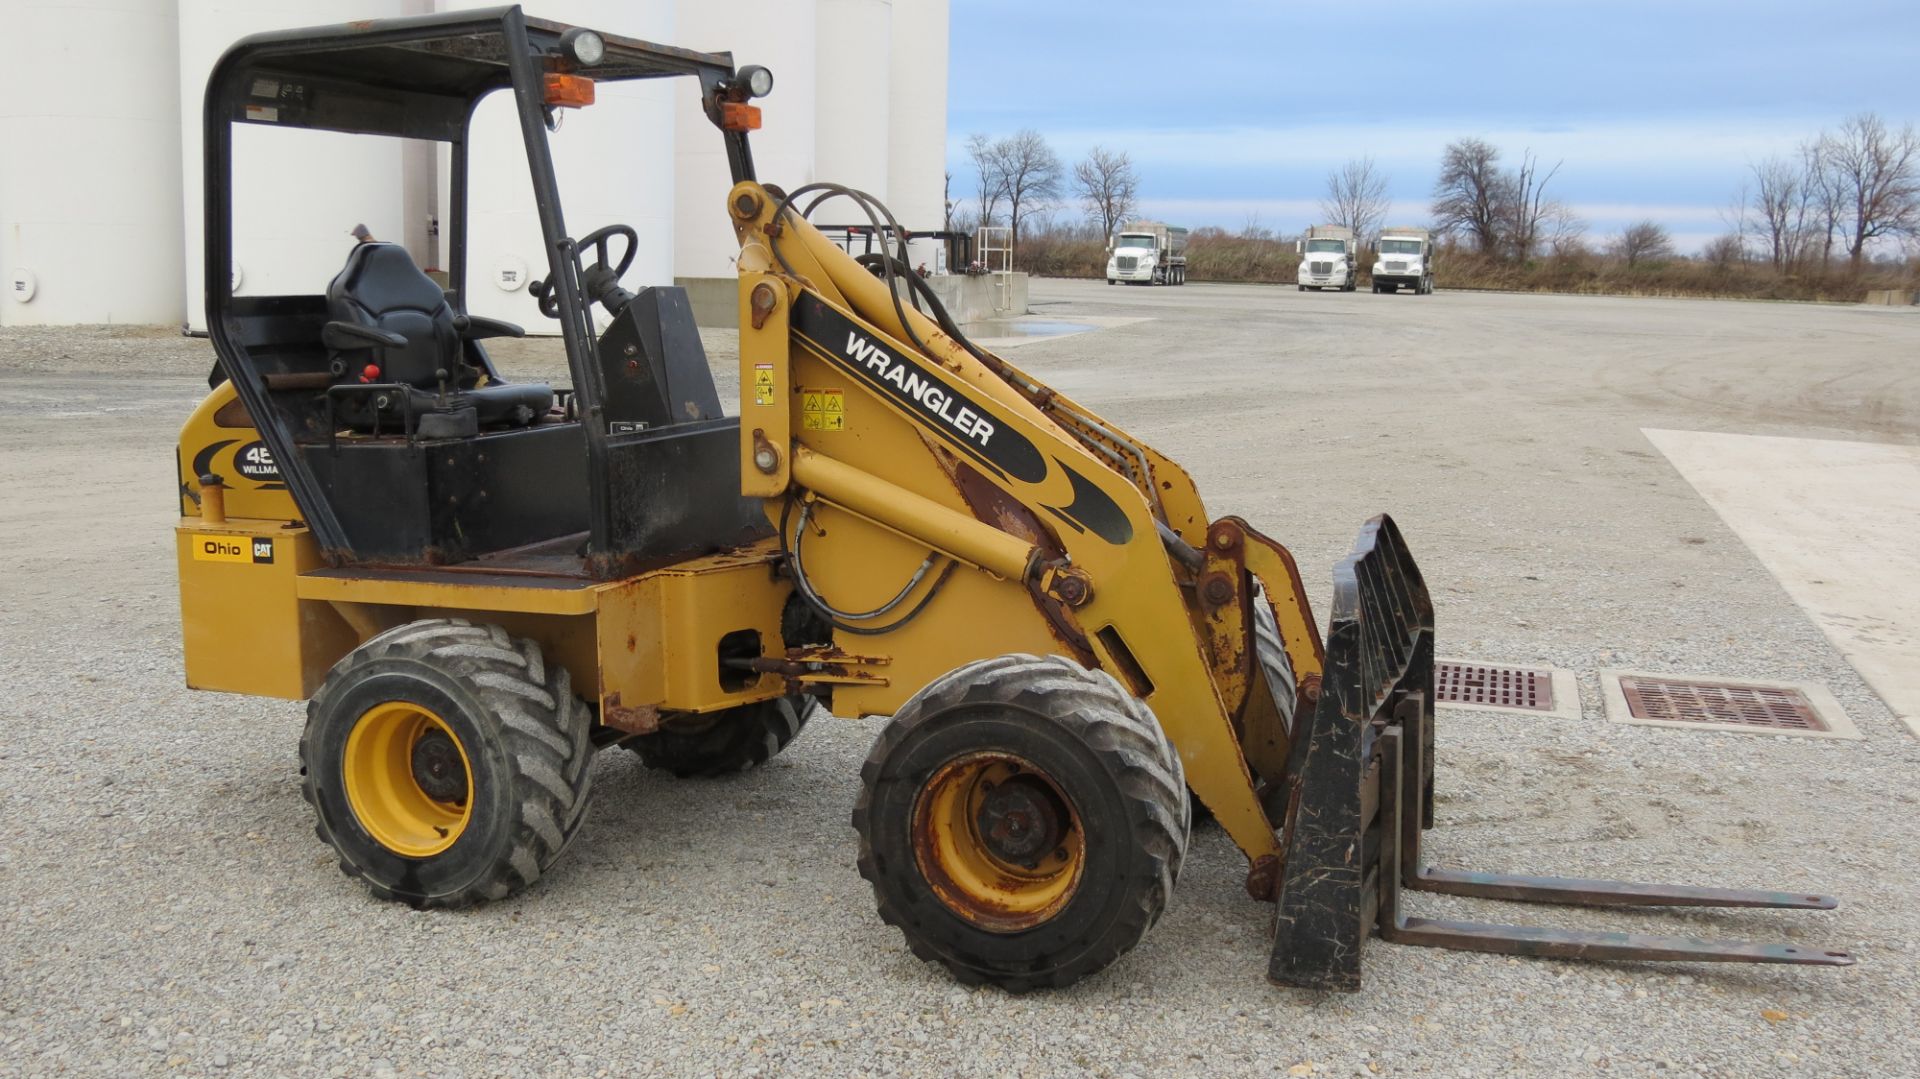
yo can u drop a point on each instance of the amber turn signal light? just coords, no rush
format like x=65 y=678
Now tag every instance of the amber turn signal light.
x=569 y=91
x=735 y=116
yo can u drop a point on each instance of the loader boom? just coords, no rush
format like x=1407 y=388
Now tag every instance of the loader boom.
x=1111 y=526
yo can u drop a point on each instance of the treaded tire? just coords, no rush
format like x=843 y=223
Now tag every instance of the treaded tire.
x=1105 y=752
x=525 y=737
x=1271 y=654
x=731 y=741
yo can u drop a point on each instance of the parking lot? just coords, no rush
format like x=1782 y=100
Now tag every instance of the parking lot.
x=165 y=907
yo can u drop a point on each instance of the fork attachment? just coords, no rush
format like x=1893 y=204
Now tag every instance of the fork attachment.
x=1360 y=791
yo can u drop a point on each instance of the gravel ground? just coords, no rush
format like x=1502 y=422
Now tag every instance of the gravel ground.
x=164 y=907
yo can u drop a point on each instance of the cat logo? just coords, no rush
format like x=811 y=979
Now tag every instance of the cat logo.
x=252 y=550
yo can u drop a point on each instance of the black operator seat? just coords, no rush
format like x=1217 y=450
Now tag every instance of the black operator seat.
x=392 y=324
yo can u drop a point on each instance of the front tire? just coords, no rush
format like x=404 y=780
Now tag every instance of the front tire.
x=723 y=742
x=446 y=763
x=1022 y=821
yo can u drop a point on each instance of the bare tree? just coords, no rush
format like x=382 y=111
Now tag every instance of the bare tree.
x=1877 y=172
x=1823 y=194
x=1783 y=206
x=1646 y=241
x=991 y=177
x=1468 y=194
x=1562 y=231
x=1522 y=203
x=1738 y=217
x=1356 y=197
x=1724 y=252
x=1030 y=175
x=1107 y=187
x=946 y=199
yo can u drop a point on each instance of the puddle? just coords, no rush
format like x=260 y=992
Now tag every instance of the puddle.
x=1023 y=327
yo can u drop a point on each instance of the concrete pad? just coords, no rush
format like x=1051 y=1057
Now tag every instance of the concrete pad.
x=1566 y=692
x=1824 y=705
x=1838 y=523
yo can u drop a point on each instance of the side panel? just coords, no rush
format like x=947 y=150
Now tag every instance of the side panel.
x=242 y=627
x=220 y=438
x=659 y=636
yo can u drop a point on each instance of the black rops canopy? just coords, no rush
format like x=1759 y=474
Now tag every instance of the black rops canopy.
x=416 y=77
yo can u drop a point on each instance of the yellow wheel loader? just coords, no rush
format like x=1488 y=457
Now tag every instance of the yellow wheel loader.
x=477 y=583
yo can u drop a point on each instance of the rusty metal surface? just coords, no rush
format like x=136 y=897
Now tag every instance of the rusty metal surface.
x=634 y=719
x=1686 y=700
x=1603 y=893
x=1583 y=944
x=1492 y=683
x=1263 y=878
x=986 y=891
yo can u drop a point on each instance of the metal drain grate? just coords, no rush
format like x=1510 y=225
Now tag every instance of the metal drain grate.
x=1498 y=687
x=1675 y=700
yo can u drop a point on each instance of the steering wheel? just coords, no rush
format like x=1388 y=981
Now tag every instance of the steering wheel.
x=595 y=277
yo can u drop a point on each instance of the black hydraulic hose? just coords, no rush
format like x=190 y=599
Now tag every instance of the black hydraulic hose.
x=804 y=588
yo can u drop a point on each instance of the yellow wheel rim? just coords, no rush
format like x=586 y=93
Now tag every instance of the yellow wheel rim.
x=999 y=842
x=409 y=792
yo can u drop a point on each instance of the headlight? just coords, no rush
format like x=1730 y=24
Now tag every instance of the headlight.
x=757 y=81
x=587 y=47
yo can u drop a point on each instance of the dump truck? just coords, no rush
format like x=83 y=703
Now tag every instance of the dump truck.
x=1405 y=259
x=478 y=583
x=1327 y=258
x=1148 y=253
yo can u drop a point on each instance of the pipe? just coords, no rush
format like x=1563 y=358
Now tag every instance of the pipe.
x=948 y=531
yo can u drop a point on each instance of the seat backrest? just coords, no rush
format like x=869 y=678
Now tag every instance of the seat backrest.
x=380 y=287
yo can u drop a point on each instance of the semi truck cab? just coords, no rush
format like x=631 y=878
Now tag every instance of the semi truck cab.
x=1404 y=258
x=1327 y=259
x=1148 y=254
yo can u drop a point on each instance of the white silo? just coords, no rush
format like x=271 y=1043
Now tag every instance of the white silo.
x=917 y=121
x=613 y=159
x=297 y=194
x=853 y=40
x=780 y=36
x=89 y=177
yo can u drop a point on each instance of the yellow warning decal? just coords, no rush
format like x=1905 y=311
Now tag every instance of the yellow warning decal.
x=763 y=384
x=823 y=410
x=248 y=549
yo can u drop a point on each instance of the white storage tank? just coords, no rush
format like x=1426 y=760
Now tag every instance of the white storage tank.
x=89 y=173
x=613 y=160
x=917 y=122
x=780 y=36
x=297 y=194
x=853 y=40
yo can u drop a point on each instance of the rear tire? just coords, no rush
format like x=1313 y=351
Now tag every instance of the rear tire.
x=719 y=743
x=447 y=763
x=1022 y=821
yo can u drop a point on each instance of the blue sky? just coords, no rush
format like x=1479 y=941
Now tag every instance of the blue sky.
x=1236 y=108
